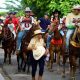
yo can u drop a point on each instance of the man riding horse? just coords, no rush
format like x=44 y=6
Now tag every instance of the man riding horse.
x=71 y=23
x=26 y=24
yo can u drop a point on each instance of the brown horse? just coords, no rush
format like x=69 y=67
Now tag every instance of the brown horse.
x=7 y=43
x=74 y=53
x=56 y=46
x=24 y=55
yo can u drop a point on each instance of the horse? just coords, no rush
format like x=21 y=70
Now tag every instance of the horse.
x=74 y=52
x=7 y=43
x=56 y=46
x=24 y=56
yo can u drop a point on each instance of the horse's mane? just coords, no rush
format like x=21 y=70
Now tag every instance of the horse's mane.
x=57 y=34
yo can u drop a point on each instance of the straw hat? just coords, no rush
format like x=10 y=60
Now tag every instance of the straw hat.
x=36 y=32
x=27 y=9
x=76 y=6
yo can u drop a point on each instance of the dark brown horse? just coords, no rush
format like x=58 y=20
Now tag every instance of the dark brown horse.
x=24 y=56
x=7 y=43
x=74 y=53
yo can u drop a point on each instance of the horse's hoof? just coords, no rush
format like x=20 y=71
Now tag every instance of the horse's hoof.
x=28 y=72
x=63 y=76
x=73 y=78
x=51 y=70
x=9 y=63
x=19 y=70
x=24 y=70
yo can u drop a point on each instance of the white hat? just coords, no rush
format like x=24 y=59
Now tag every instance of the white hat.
x=76 y=6
x=38 y=32
x=39 y=52
x=27 y=9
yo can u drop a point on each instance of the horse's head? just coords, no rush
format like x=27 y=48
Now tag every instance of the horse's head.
x=57 y=34
x=6 y=33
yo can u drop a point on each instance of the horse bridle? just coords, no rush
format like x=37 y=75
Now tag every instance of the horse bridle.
x=6 y=33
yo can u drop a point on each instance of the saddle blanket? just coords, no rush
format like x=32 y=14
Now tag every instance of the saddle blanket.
x=56 y=42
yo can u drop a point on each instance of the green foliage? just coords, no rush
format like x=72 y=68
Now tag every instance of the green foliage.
x=2 y=13
x=40 y=7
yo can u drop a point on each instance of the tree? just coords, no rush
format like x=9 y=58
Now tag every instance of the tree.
x=40 y=7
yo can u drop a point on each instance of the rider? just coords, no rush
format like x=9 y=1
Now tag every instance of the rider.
x=15 y=20
x=44 y=22
x=71 y=23
x=11 y=27
x=26 y=24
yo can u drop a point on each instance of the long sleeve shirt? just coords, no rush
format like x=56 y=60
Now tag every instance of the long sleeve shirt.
x=69 y=20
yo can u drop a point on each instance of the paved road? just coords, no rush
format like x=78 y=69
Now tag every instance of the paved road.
x=9 y=72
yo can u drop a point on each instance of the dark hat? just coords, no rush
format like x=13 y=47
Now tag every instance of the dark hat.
x=14 y=13
x=9 y=13
x=56 y=11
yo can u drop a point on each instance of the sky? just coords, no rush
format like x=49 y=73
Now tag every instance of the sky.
x=2 y=5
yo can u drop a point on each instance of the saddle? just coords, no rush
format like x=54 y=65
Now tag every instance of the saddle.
x=75 y=44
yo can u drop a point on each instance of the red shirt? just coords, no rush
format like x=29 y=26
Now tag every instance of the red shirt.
x=15 y=21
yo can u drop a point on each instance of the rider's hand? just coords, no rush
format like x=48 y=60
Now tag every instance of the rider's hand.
x=76 y=25
x=46 y=52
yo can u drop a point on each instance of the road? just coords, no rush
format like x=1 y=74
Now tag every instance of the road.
x=10 y=72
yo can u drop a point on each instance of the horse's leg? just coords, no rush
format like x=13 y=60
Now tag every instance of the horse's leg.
x=24 y=66
x=24 y=61
x=14 y=46
x=51 y=56
x=63 y=62
x=10 y=57
x=72 y=66
x=58 y=60
x=9 y=50
x=18 y=61
x=28 y=62
x=79 y=64
x=5 y=55
x=55 y=57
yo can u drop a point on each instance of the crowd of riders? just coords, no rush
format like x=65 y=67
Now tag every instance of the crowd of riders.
x=19 y=26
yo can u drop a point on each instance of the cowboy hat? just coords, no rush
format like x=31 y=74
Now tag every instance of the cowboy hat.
x=36 y=32
x=39 y=52
x=76 y=6
x=56 y=11
x=27 y=9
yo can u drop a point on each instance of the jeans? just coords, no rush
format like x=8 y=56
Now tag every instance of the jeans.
x=48 y=40
x=68 y=35
x=41 y=63
x=61 y=32
x=21 y=34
